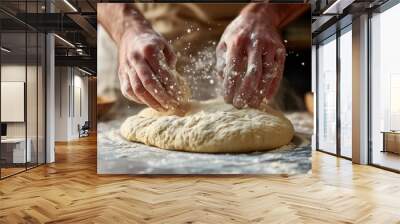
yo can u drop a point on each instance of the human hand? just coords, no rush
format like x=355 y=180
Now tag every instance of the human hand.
x=250 y=59
x=145 y=63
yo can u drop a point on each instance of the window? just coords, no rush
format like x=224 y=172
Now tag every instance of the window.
x=346 y=93
x=326 y=93
x=385 y=89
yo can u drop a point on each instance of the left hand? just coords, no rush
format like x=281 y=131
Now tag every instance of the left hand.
x=250 y=60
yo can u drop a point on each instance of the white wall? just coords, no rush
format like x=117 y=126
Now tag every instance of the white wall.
x=61 y=103
x=14 y=73
x=70 y=83
x=17 y=73
x=33 y=125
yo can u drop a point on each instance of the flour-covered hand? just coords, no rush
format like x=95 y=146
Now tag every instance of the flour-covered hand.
x=250 y=59
x=145 y=59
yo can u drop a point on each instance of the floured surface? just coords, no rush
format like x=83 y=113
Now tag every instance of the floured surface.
x=212 y=127
x=115 y=155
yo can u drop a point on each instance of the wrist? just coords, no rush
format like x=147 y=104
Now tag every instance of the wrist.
x=264 y=11
x=129 y=28
x=131 y=22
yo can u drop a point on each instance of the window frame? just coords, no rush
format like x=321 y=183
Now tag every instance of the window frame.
x=339 y=32
x=381 y=9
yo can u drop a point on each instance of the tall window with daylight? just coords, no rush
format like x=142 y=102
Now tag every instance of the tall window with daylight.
x=327 y=95
x=346 y=92
x=385 y=88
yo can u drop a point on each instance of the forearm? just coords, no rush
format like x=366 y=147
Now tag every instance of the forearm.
x=280 y=15
x=116 y=18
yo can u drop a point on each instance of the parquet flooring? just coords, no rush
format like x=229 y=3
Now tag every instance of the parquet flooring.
x=70 y=191
x=10 y=171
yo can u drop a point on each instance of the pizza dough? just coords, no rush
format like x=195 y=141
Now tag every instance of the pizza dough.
x=210 y=127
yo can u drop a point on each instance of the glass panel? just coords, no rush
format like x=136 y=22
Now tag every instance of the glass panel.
x=41 y=99
x=31 y=97
x=327 y=96
x=385 y=84
x=31 y=88
x=13 y=86
x=346 y=94
x=23 y=91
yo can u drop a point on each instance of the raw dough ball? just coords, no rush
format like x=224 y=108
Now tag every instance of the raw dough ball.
x=211 y=127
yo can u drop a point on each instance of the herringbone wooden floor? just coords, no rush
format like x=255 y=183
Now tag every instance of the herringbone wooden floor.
x=69 y=191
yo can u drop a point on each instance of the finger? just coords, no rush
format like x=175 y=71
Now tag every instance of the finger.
x=266 y=79
x=261 y=91
x=280 y=58
x=249 y=84
x=273 y=87
x=153 y=85
x=143 y=94
x=221 y=55
x=233 y=71
x=169 y=55
x=158 y=65
x=126 y=87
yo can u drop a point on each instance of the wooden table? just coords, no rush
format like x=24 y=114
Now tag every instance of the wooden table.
x=391 y=141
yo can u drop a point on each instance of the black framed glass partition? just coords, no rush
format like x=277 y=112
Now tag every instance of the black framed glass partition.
x=385 y=87
x=334 y=93
x=22 y=78
x=15 y=151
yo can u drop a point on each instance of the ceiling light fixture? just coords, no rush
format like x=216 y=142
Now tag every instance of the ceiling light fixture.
x=64 y=40
x=84 y=71
x=70 y=5
x=5 y=50
x=337 y=7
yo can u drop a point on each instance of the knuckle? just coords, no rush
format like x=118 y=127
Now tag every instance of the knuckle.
x=126 y=88
x=148 y=82
x=240 y=39
x=251 y=71
x=148 y=49
x=138 y=89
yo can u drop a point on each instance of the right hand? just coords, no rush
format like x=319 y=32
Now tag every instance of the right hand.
x=251 y=59
x=145 y=59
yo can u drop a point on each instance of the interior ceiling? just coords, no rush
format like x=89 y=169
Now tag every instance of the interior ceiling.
x=326 y=24
x=79 y=27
